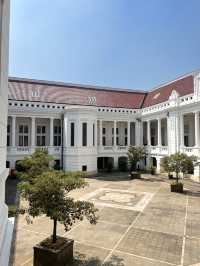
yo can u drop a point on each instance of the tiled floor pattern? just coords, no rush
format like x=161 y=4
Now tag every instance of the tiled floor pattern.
x=166 y=232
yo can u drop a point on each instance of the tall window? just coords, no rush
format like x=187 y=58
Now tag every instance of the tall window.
x=117 y=141
x=84 y=134
x=72 y=135
x=117 y=137
x=23 y=135
x=8 y=135
x=125 y=141
x=93 y=134
x=57 y=136
x=41 y=135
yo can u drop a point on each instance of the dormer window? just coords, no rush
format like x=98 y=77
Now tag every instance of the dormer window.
x=35 y=93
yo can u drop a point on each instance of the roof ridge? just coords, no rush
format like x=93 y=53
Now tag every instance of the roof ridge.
x=173 y=80
x=74 y=85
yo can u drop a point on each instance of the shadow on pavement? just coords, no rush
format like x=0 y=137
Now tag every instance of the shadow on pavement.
x=81 y=260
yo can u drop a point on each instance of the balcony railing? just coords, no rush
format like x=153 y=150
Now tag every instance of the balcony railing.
x=162 y=150
x=26 y=150
x=114 y=149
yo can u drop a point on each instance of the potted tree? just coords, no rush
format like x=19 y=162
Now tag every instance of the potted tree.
x=47 y=194
x=179 y=163
x=165 y=164
x=135 y=155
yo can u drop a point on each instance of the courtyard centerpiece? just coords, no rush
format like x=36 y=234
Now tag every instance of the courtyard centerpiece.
x=179 y=163
x=47 y=193
x=135 y=155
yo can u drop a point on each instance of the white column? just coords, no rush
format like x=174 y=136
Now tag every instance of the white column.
x=148 y=133
x=51 y=132
x=13 y=130
x=128 y=133
x=115 y=135
x=33 y=131
x=90 y=133
x=65 y=131
x=95 y=133
x=100 y=133
x=159 y=132
x=197 y=129
x=182 y=130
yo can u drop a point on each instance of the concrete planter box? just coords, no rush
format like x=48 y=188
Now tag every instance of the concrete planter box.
x=135 y=175
x=44 y=256
x=177 y=187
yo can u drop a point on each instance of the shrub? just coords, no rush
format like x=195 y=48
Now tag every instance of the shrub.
x=135 y=154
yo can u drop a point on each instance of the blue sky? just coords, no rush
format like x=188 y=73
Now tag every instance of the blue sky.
x=119 y=43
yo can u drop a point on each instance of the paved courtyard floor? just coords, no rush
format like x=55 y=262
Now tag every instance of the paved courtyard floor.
x=141 y=223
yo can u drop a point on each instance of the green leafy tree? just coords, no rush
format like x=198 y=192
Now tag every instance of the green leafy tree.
x=46 y=191
x=179 y=163
x=47 y=194
x=32 y=166
x=135 y=154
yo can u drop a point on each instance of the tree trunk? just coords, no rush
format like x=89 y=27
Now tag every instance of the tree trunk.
x=176 y=177
x=54 y=230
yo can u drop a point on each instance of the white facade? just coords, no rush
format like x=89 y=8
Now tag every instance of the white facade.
x=163 y=129
x=5 y=225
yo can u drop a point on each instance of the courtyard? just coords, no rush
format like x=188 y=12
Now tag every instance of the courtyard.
x=140 y=223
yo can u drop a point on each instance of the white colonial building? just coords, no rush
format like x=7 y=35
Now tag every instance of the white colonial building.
x=84 y=127
x=6 y=225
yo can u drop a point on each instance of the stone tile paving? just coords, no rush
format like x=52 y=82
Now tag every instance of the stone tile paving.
x=166 y=232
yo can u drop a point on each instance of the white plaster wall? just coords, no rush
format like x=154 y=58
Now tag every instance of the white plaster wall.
x=75 y=157
x=173 y=132
x=4 y=30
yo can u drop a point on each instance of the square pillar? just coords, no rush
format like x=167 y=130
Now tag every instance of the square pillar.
x=33 y=131
x=182 y=144
x=148 y=133
x=115 y=135
x=100 y=133
x=159 y=132
x=13 y=130
x=51 y=132
x=197 y=129
x=128 y=133
x=95 y=133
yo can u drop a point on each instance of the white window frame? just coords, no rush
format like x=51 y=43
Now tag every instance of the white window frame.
x=23 y=135
x=40 y=135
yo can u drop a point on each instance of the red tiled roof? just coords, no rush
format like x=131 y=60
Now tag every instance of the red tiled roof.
x=21 y=89
x=56 y=92
x=183 y=86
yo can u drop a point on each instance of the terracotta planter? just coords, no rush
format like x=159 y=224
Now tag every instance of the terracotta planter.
x=135 y=175
x=44 y=256
x=177 y=187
